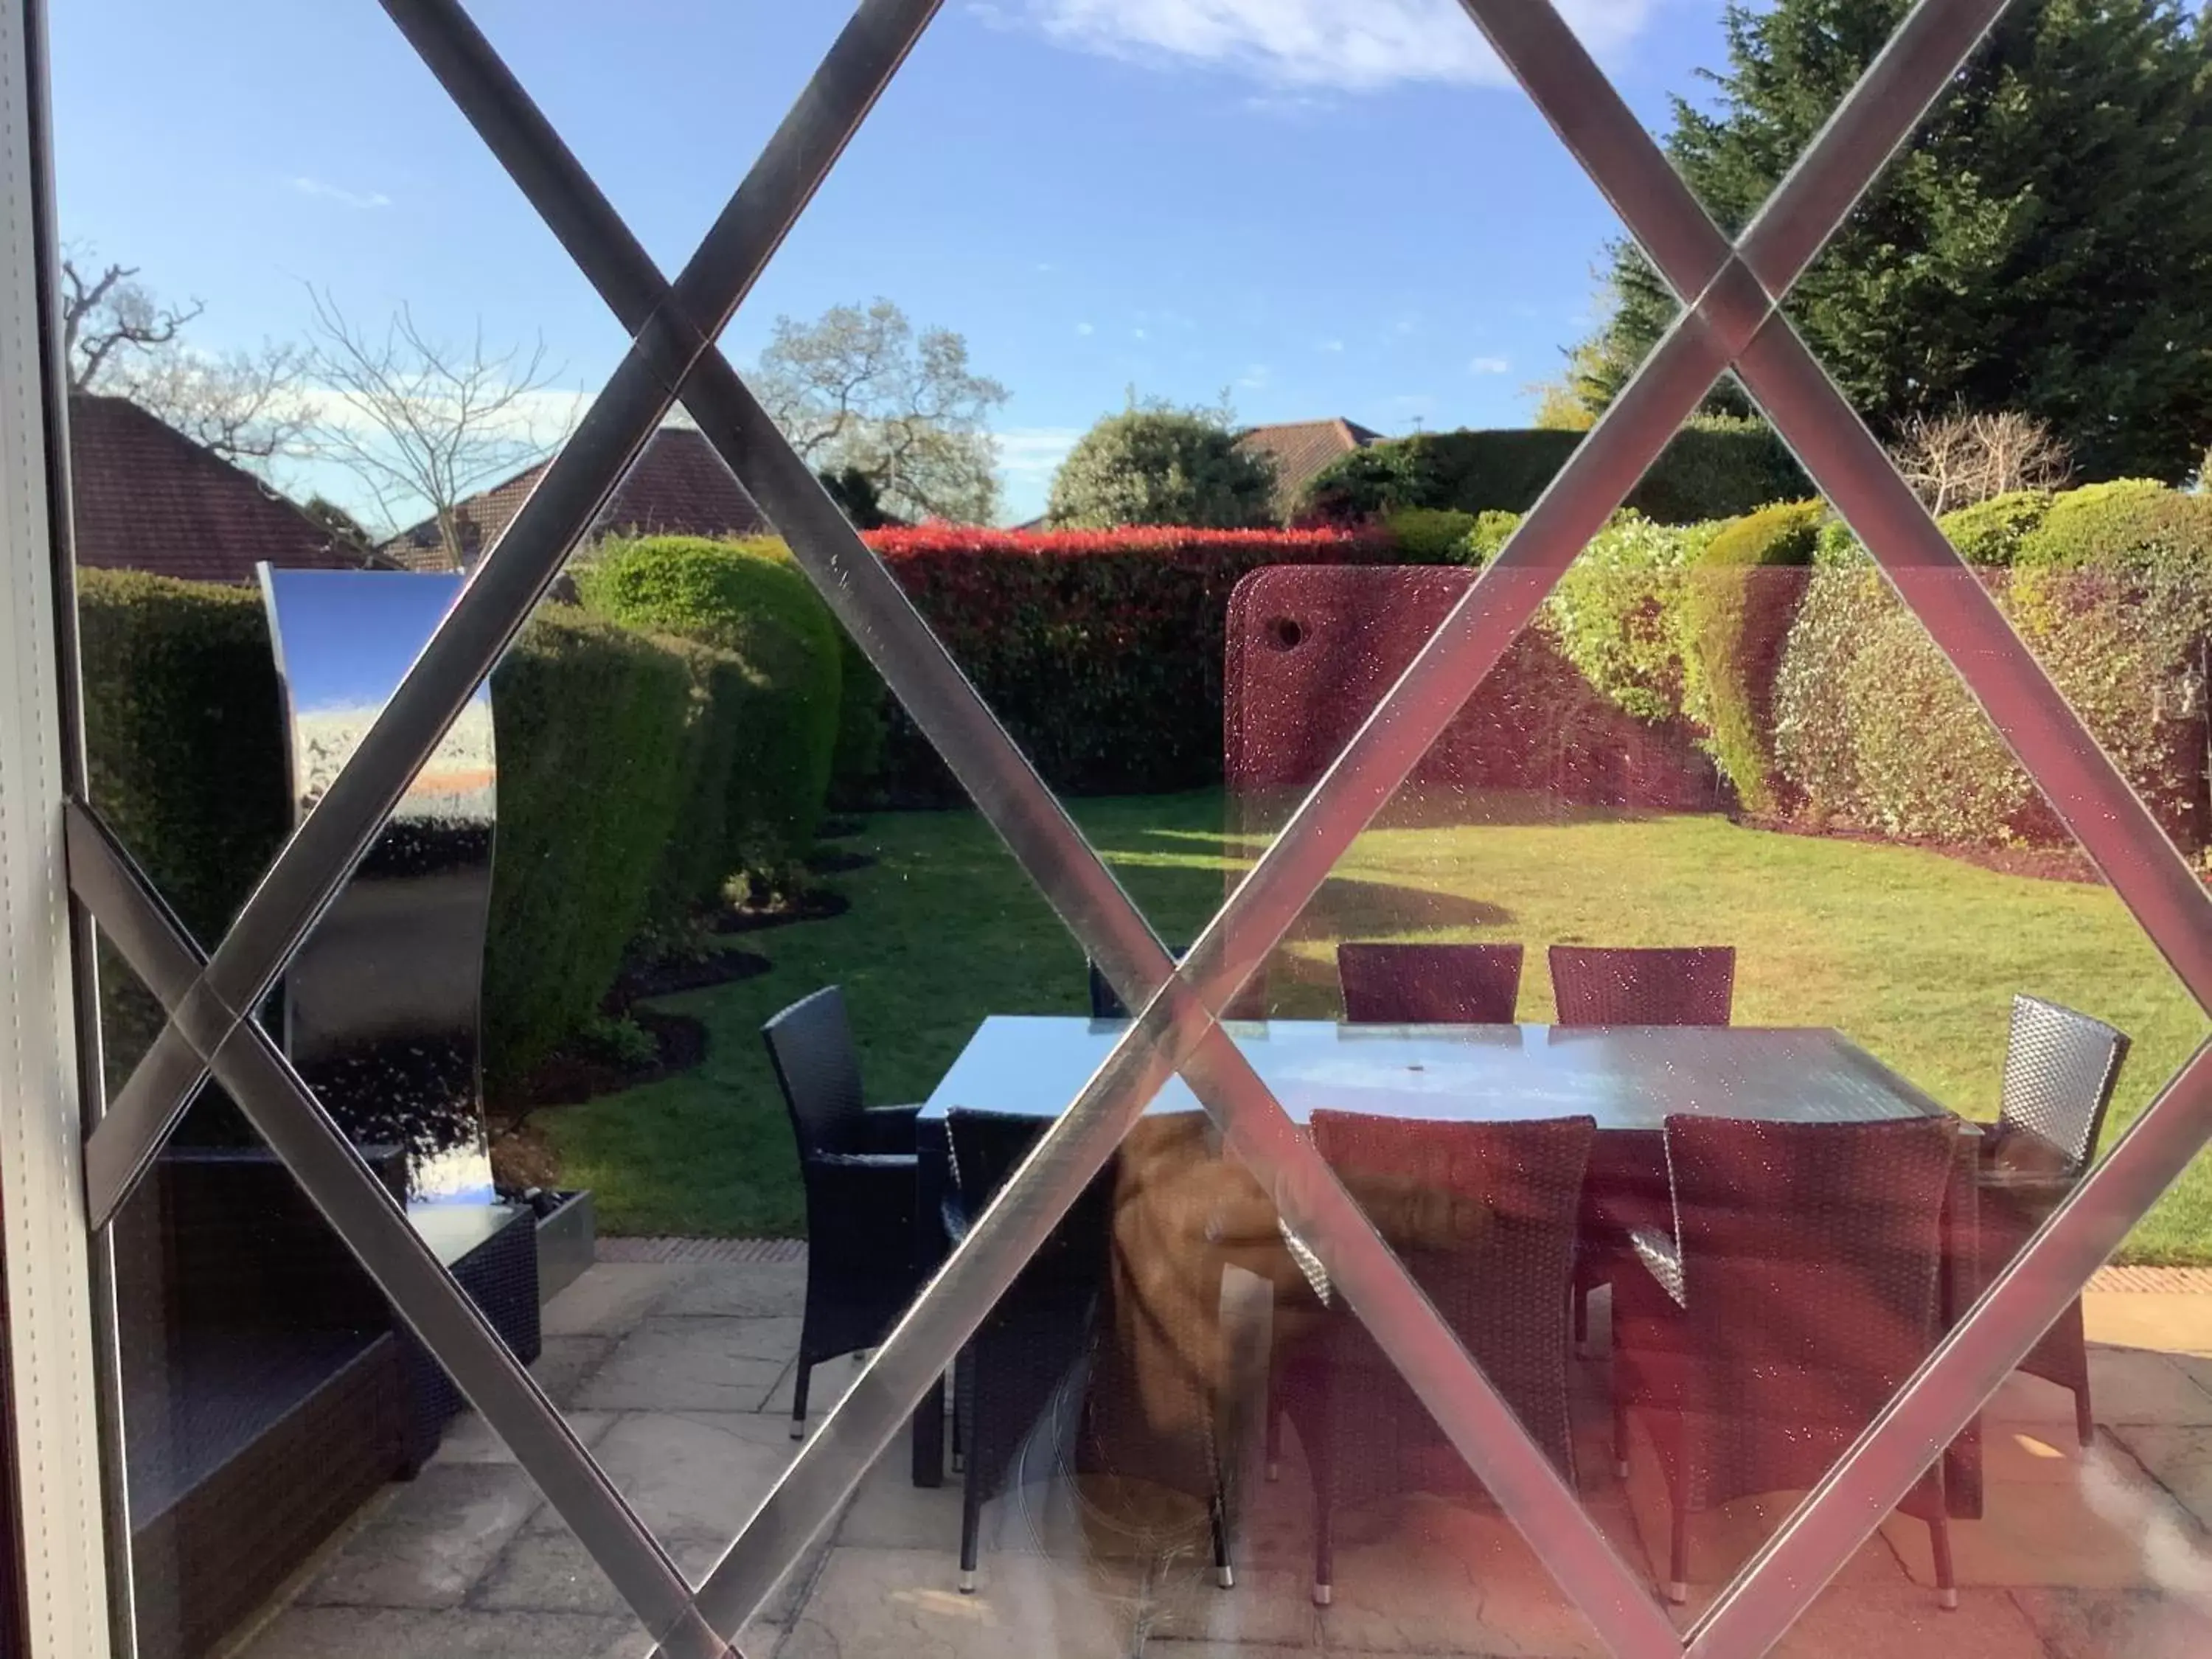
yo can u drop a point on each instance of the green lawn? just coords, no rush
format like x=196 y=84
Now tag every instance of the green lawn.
x=1914 y=955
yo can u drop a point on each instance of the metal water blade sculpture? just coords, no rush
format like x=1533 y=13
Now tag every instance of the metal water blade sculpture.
x=381 y=1007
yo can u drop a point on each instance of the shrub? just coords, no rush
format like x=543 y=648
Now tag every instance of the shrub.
x=1430 y=536
x=2129 y=524
x=856 y=762
x=1734 y=622
x=1616 y=613
x=1714 y=468
x=747 y=598
x=1991 y=532
x=1153 y=464
x=590 y=721
x=1371 y=483
x=1491 y=533
x=1815 y=748
x=1101 y=653
x=184 y=730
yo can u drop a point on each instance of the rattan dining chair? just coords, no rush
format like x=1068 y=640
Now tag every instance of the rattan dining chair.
x=1615 y=984
x=1611 y=985
x=1483 y=1214
x=1802 y=1283
x=859 y=1167
x=1430 y=984
x=2060 y=1070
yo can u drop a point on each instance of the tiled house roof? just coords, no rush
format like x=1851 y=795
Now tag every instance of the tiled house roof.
x=146 y=497
x=677 y=486
x=1301 y=449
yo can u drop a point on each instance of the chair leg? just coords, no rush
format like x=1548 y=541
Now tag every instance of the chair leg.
x=2085 y=1422
x=1939 y=1546
x=1274 y=1433
x=798 y=1381
x=1620 y=1440
x=1224 y=1574
x=1678 y=1554
x=1581 y=1317
x=971 y=1526
x=1324 y=1587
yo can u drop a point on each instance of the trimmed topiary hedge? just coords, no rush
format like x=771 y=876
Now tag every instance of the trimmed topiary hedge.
x=1714 y=468
x=696 y=860
x=1618 y=612
x=184 y=730
x=1100 y=651
x=591 y=724
x=749 y=599
x=1736 y=613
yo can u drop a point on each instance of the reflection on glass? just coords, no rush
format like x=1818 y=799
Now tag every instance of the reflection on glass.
x=381 y=1006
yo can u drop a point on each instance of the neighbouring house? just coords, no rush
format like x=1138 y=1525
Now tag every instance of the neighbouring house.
x=678 y=486
x=145 y=497
x=1301 y=449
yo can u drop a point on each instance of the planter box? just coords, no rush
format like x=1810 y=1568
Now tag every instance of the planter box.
x=567 y=1234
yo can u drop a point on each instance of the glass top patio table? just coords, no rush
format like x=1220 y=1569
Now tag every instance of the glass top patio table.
x=1627 y=1078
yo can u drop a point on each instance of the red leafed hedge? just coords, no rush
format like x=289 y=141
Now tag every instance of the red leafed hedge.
x=1100 y=651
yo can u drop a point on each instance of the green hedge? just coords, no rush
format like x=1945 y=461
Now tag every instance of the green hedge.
x=1617 y=612
x=1714 y=468
x=696 y=861
x=1735 y=618
x=747 y=598
x=2111 y=585
x=589 y=720
x=184 y=730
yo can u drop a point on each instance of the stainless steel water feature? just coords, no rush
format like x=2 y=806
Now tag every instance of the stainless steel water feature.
x=381 y=1006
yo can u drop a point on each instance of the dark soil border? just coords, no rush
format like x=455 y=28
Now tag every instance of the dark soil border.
x=571 y=1078
x=838 y=861
x=821 y=904
x=670 y=975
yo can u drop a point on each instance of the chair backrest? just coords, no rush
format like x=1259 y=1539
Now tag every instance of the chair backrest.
x=1484 y=1216
x=1812 y=1256
x=985 y=1149
x=1606 y=985
x=2060 y=1070
x=810 y=1045
x=1105 y=1001
x=1430 y=984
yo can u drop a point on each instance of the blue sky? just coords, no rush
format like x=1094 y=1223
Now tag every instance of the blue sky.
x=1326 y=207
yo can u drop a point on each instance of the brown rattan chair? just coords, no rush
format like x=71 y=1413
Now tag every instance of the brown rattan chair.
x=1804 y=1282
x=2060 y=1070
x=1484 y=1216
x=1430 y=984
x=1607 y=985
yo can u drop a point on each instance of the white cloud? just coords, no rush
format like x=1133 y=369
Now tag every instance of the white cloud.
x=1349 y=45
x=1031 y=454
x=330 y=192
x=1255 y=377
x=1330 y=345
x=1490 y=366
x=1085 y=328
x=1138 y=334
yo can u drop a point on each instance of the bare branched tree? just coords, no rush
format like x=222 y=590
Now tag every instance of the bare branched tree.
x=109 y=313
x=249 y=407
x=423 y=422
x=858 y=394
x=1957 y=459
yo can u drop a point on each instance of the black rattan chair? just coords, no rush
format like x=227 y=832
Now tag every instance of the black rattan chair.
x=1609 y=984
x=1028 y=1362
x=860 y=1170
x=1804 y=1281
x=1484 y=1217
x=2061 y=1068
x=1430 y=984
x=1105 y=1001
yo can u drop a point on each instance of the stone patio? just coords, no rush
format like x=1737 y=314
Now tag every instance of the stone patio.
x=677 y=1374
